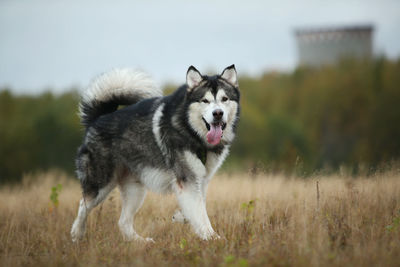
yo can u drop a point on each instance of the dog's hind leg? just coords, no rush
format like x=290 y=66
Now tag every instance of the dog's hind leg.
x=132 y=196
x=86 y=204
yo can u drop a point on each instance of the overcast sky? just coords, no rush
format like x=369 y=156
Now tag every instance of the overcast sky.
x=58 y=44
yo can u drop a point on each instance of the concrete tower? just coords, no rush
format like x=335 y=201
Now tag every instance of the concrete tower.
x=321 y=46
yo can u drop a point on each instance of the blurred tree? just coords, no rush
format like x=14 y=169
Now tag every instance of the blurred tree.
x=342 y=115
x=37 y=132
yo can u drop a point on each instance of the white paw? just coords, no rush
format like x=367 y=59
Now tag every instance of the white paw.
x=215 y=236
x=210 y=236
x=138 y=238
x=149 y=240
x=178 y=217
x=76 y=233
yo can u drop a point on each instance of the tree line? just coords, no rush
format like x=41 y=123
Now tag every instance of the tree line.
x=311 y=119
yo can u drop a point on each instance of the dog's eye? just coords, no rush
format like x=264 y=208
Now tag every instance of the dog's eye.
x=205 y=101
x=224 y=99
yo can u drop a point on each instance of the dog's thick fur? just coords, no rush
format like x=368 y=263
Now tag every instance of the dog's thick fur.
x=165 y=144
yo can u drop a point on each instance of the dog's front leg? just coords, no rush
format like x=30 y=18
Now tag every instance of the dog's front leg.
x=190 y=174
x=193 y=207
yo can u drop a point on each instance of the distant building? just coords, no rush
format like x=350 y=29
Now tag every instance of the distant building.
x=320 y=46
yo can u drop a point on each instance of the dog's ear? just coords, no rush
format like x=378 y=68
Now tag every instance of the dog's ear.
x=193 y=78
x=229 y=74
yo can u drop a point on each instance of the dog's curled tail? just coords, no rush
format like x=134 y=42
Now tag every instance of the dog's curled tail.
x=117 y=87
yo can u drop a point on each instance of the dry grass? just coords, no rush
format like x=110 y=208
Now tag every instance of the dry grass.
x=355 y=223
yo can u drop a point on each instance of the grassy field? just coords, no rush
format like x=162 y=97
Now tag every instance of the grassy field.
x=265 y=221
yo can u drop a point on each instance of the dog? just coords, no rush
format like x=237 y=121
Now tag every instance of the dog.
x=167 y=144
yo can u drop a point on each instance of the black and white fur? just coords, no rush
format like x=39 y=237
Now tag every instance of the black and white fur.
x=156 y=143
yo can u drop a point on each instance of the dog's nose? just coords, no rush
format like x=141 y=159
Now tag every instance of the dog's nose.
x=218 y=113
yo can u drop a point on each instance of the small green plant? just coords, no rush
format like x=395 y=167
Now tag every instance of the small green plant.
x=230 y=260
x=183 y=243
x=394 y=225
x=248 y=208
x=55 y=191
x=248 y=223
x=243 y=262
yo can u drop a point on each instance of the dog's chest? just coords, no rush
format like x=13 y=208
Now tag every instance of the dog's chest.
x=214 y=161
x=157 y=180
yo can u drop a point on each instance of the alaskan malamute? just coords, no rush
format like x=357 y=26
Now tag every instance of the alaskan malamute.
x=171 y=143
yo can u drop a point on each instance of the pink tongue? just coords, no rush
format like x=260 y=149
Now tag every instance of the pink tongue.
x=214 y=134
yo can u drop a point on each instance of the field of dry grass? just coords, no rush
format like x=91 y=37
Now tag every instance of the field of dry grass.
x=265 y=221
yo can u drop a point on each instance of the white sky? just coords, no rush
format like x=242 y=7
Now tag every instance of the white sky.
x=57 y=44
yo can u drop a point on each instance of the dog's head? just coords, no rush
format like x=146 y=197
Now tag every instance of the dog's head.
x=213 y=105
